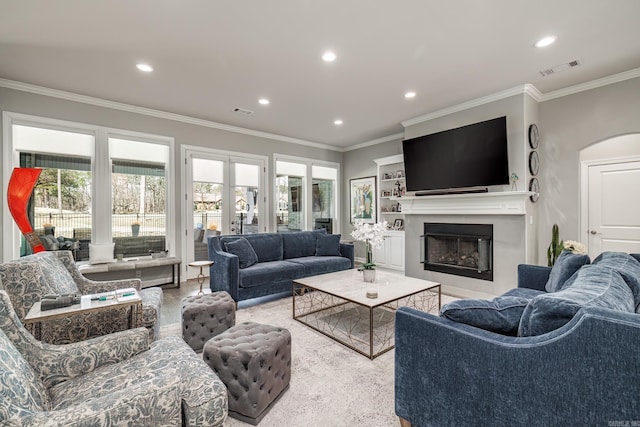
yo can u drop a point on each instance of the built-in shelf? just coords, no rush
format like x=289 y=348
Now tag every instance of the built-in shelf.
x=496 y=203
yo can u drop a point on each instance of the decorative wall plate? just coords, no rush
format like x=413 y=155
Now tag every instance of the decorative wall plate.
x=534 y=136
x=534 y=163
x=534 y=186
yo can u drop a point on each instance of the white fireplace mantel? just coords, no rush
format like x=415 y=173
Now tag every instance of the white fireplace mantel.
x=496 y=203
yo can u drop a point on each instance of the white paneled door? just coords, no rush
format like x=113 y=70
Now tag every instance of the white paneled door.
x=614 y=208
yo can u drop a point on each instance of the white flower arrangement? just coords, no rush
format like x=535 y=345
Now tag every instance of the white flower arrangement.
x=575 y=247
x=371 y=235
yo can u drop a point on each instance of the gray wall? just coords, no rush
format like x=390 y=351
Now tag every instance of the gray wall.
x=359 y=164
x=184 y=133
x=568 y=125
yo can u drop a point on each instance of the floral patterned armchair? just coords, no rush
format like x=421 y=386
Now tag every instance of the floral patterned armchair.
x=27 y=279
x=116 y=379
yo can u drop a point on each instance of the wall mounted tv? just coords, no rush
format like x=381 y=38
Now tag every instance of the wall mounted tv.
x=470 y=156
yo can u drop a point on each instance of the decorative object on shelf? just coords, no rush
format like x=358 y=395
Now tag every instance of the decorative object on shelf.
x=373 y=236
x=556 y=247
x=386 y=176
x=400 y=174
x=534 y=136
x=398 y=224
x=398 y=189
x=21 y=185
x=363 y=201
x=514 y=179
x=534 y=186
x=534 y=163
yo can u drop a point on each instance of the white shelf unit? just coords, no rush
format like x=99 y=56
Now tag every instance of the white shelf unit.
x=390 y=179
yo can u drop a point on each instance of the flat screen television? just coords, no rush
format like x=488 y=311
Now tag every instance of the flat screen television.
x=469 y=156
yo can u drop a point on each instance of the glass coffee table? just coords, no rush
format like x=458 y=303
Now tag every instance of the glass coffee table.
x=337 y=305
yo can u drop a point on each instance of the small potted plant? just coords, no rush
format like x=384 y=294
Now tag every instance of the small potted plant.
x=372 y=235
x=135 y=228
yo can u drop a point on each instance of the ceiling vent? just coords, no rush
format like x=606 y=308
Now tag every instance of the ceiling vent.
x=243 y=111
x=562 y=67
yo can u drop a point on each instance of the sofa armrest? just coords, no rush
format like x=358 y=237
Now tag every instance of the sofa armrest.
x=347 y=251
x=448 y=373
x=224 y=274
x=533 y=276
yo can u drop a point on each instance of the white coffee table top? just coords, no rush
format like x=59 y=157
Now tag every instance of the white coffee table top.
x=349 y=285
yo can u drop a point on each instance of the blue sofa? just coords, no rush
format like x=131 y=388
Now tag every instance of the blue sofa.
x=256 y=265
x=583 y=373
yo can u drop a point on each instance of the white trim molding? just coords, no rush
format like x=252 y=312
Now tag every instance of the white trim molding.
x=496 y=203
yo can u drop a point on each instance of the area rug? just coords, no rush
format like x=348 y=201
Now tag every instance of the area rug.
x=331 y=385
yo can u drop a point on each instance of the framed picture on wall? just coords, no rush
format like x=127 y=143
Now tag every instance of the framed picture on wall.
x=362 y=192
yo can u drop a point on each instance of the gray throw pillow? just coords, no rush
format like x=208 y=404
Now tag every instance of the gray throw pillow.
x=628 y=267
x=328 y=245
x=591 y=286
x=500 y=315
x=566 y=265
x=243 y=250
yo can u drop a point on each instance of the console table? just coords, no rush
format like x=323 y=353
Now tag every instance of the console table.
x=149 y=270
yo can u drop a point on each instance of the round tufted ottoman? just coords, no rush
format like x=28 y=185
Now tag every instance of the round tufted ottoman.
x=204 y=316
x=254 y=362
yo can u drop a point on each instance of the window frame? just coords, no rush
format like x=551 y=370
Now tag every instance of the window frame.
x=308 y=189
x=100 y=172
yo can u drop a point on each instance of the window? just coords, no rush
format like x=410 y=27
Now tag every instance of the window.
x=80 y=163
x=303 y=204
x=138 y=196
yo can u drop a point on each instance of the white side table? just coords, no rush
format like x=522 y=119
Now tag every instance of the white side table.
x=201 y=276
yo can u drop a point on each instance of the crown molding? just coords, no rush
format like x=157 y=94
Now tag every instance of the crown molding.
x=395 y=136
x=593 y=84
x=99 y=102
x=518 y=90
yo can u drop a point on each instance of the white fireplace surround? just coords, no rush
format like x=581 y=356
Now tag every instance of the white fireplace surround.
x=512 y=215
x=495 y=203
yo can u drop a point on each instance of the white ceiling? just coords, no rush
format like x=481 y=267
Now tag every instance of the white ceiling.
x=211 y=56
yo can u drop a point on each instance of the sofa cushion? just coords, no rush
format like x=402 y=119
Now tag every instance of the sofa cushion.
x=243 y=250
x=328 y=245
x=314 y=265
x=501 y=314
x=591 y=286
x=20 y=388
x=25 y=283
x=265 y=273
x=566 y=264
x=627 y=266
x=55 y=273
x=268 y=246
x=523 y=293
x=99 y=254
x=299 y=244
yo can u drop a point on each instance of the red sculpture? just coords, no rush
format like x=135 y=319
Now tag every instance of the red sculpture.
x=20 y=188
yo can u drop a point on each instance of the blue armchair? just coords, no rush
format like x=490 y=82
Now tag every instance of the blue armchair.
x=586 y=372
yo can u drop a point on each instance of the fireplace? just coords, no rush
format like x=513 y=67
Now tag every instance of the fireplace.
x=459 y=249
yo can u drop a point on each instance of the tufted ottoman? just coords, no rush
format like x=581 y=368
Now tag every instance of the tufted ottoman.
x=254 y=362
x=204 y=316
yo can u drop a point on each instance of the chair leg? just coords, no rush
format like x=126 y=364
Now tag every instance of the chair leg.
x=404 y=423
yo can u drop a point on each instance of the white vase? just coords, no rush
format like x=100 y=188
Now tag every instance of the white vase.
x=369 y=275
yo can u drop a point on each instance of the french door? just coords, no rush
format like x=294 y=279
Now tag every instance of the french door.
x=223 y=195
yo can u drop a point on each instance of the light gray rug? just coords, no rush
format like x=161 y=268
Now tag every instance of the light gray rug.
x=331 y=385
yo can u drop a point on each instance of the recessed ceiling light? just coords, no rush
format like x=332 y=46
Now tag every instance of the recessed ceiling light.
x=546 y=41
x=337 y=122
x=329 y=56
x=409 y=95
x=263 y=101
x=144 y=67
